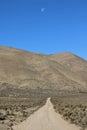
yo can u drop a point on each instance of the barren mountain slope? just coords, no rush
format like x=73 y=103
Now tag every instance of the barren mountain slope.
x=21 y=69
x=73 y=63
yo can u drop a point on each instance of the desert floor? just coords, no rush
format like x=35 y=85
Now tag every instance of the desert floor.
x=45 y=119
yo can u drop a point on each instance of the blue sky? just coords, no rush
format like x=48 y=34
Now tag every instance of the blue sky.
x=61 y=27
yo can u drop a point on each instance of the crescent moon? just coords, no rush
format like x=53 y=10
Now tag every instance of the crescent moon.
x=42 y=9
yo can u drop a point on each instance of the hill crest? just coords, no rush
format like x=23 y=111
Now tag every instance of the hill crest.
x=24 y=71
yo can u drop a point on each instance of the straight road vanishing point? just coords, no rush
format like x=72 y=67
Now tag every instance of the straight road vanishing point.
x=45 y=119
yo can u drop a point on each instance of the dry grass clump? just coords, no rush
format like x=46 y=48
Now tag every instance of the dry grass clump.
x=73 y=109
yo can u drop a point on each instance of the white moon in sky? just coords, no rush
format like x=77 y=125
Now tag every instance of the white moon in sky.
x=42 y=10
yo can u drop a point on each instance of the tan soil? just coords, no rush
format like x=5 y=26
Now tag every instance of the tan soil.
x=45 y=119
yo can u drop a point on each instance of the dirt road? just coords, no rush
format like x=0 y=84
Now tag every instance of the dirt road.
x=45 y=119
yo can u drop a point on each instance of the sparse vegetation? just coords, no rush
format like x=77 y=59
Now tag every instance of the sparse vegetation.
x=72 y=108
x=16 y=110
x=27 y=79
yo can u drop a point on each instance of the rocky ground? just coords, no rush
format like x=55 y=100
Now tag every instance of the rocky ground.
x=46 y=119
x=73 y=108
x=16 y=112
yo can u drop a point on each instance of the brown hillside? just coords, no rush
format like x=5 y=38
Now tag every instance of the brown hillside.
x=73 y=63
x=23 y=71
